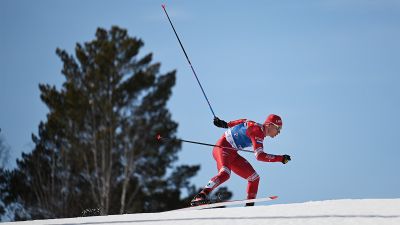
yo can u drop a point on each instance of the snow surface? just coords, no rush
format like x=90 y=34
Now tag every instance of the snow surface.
x=343 y=212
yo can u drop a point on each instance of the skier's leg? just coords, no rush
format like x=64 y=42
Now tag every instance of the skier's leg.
x=223 y=158
x=243 y=168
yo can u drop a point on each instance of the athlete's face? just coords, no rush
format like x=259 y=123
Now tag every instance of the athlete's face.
x=271 y=130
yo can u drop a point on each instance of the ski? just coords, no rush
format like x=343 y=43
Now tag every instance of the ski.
x=227 y=203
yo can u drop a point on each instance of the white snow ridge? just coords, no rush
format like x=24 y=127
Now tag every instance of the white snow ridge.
x=341 y=212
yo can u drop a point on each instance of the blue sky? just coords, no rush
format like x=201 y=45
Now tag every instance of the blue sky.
x=329 y=68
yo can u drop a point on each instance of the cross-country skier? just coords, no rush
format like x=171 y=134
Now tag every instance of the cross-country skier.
x=240 y=134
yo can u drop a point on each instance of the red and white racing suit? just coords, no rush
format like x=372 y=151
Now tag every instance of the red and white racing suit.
x=241 y=133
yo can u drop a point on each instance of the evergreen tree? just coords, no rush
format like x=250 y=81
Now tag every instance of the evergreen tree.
x=97 y=149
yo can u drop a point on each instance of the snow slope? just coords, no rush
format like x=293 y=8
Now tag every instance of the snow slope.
x=366 y=211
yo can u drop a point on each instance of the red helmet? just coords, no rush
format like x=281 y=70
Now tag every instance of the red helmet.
x=274 y=119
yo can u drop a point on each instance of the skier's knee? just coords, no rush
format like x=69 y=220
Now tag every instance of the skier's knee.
x=254 y=178
x=224 y=173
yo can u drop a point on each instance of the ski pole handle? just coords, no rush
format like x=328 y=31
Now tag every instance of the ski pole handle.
x=160 y=138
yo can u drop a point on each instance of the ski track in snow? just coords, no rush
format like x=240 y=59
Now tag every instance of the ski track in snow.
x=332 y=212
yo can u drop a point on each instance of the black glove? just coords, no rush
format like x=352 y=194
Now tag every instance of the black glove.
x=286 y=159
x=220 y=123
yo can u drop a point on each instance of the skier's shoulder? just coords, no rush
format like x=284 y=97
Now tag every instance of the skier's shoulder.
x=254 y=128
x=254 y=125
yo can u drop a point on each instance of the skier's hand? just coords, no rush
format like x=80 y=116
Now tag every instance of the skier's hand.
x=286 y=159
x=220 y=123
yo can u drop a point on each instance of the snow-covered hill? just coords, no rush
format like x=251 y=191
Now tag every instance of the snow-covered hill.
x=341 y=212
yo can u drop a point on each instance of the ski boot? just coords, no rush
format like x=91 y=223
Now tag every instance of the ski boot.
x=199 y=199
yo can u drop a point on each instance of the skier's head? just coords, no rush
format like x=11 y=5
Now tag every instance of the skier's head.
x=272 y=125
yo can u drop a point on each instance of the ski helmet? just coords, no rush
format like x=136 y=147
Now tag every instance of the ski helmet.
x=274 y=119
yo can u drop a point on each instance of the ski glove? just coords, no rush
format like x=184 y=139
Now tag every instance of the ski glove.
x=220 y=123
x=285 y=159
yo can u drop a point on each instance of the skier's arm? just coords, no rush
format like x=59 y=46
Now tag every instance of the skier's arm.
x=262 y=156
x=265 y=157
x=257 y=139
x=223 y=124
x=236 y=122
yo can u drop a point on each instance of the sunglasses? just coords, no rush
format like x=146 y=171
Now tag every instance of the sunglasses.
x=278 y=128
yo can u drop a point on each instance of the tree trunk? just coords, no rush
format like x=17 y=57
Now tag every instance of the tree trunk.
x=129 y=156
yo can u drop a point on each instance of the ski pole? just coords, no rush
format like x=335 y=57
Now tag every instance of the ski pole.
x=194 y=72
x=160 y=138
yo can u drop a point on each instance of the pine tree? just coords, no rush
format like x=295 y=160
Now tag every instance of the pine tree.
x=97 y=149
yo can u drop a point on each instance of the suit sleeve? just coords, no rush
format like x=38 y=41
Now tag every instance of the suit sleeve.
x=236 y=122
x=257 y=137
